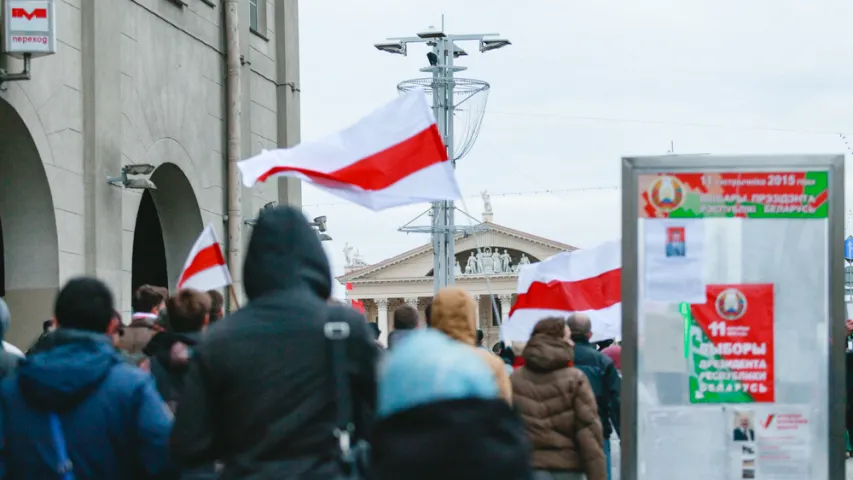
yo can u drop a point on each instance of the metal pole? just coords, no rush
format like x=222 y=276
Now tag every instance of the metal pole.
x=450 y=231
x=438 y=223
x=232 y=81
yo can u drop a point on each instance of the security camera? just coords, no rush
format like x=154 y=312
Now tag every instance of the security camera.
x=320 y=223
x=139 y=169
x=139 y=184
x=270 y=205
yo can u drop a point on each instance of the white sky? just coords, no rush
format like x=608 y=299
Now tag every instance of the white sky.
x=583 y=84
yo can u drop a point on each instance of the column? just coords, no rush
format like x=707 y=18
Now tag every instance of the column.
x=506 y=305
x=382 y=319
x=102 y=140
x=477 y=311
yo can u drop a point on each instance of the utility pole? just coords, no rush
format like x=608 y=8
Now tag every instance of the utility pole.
x=448 y=93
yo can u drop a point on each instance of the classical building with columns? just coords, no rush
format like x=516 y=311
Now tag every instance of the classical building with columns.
x=487 y=266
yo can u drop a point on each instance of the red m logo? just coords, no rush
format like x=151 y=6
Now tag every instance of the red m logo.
x=36 y=13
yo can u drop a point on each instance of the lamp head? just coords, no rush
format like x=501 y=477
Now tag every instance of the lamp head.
x=493 y=44
x=398 y=48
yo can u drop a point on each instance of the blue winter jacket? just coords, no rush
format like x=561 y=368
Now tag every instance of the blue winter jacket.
x=114 y=422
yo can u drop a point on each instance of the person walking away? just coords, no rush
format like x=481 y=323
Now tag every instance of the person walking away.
x=406 y=320
x=480 y=337
x=453 y=313
x=614 y=353
x=77 y=392
x=259 y=393
x=148 y=300
x=8 y=360
x=375 y=333
x=558 y=408
x=217 y=306
x=440 y=416
x=602 y=376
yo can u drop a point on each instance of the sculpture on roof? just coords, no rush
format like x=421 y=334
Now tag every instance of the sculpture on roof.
x=353 y=257
x=487 y=201
x=348 y=253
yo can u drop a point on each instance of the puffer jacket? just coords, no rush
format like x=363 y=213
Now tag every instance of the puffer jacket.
x=454 y=313
x=559 y=410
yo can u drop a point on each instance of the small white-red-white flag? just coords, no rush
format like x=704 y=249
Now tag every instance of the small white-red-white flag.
x=394 y=156
x=582 y=281
x=205 y=268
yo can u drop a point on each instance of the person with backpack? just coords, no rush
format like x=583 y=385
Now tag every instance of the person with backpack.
x=259 y=394
x=603 y=378
x=75 y=408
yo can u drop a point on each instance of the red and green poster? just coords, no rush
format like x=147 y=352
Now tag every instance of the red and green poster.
x=730 y=345
x=733 y=194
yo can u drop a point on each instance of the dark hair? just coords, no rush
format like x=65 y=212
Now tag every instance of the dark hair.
x=216 y=303
x=84 y=303
x=374 y=329
x=406 y=318
x=428 y=314
x=551 y=326
x=187 y=310
x=45 y=325
x=148 y=297
x=480 y=336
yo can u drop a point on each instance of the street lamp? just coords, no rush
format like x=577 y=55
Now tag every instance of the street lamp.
x=447 y=94
x=136 y=169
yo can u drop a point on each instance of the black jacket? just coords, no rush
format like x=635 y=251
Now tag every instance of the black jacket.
x=604 y=380
x=453 y=439
x=259 y=393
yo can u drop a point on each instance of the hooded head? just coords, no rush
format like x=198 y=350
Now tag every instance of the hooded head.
x=285 y=253
x=5 y=319
x=454 y=312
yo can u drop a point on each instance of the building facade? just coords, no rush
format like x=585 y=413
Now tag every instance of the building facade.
x=487 y=264
x=134 y=82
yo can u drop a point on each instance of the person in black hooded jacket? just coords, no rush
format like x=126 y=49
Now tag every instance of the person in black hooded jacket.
x=259 y=394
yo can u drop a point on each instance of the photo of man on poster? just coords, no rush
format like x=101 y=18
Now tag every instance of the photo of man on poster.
x=743 y=431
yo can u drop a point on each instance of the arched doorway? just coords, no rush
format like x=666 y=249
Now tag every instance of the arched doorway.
x=167 y=223
x=29 y=269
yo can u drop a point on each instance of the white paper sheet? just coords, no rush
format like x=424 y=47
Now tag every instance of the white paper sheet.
x=674 y=260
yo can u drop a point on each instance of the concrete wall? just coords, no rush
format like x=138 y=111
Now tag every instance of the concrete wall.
x=133 y=81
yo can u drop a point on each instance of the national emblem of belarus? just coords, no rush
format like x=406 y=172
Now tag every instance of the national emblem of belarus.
x=731 y=304
x=666 y=193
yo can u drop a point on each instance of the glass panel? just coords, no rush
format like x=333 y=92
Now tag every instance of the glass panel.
x=719 y=401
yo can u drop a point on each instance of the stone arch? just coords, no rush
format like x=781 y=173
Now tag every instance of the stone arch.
x=30 y=240
x=167 y=224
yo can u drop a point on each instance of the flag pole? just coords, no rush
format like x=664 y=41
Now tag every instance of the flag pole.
x=234 y=296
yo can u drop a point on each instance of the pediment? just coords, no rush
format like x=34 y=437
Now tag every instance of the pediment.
x=418 y=262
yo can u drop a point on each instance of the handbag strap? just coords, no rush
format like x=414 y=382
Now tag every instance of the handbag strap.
x=337 y=334
x=64 y=466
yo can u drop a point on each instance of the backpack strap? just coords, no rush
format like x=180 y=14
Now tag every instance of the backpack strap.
x=64 y=466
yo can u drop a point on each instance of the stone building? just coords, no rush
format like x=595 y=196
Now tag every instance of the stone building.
x=133 y=82
x=487 y=266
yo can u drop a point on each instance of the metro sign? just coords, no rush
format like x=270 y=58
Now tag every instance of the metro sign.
x=35 y=13
x=29 y=27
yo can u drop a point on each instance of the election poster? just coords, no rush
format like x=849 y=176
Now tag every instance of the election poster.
x=730 y=345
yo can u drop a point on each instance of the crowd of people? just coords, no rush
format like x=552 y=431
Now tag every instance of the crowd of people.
x=296 y=385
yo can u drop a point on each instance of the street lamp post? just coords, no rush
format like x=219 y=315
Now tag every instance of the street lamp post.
x=444 y=50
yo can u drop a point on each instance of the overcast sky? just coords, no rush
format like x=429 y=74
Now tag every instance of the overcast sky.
x=583 y=84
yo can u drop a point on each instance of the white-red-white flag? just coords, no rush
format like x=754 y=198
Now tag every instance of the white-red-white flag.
x=583 y=281
x=356 y=304
x=392 y=157
x=205 y=268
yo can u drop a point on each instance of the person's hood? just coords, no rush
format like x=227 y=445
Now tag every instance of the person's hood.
x=172 y=350
x=5 y=318
x=545 y=353
x=285 y=253
x=430 y=367
x=518 y=348
x=453 y=312
x=615 y=354
x=66 y=369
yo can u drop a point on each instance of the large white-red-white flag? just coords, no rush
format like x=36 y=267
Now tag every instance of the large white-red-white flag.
x=582 y=281
x=205 y=268
x=394 y=156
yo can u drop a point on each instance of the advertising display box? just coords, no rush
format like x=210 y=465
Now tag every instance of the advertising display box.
x=739 y=259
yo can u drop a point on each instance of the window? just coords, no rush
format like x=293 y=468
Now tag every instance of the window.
x=257 y=17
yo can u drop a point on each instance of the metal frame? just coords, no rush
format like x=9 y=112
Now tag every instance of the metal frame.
x=632 y=167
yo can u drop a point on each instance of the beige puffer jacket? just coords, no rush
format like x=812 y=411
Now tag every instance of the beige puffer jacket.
x=453 y=313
